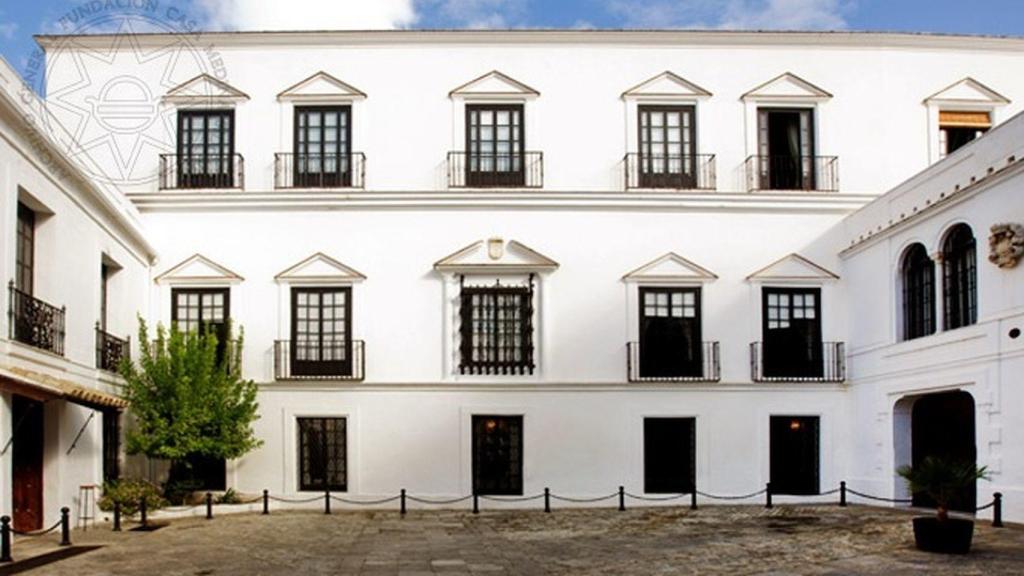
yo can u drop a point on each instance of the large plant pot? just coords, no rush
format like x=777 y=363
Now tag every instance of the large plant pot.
x=951 y=536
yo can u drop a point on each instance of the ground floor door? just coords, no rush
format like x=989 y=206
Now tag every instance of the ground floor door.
x=943 y=426
x=669 y=455
x=27 y=463
x=498 y=455
x=794 y=454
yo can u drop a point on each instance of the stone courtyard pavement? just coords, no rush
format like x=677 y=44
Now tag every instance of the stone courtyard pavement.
x=712 y=540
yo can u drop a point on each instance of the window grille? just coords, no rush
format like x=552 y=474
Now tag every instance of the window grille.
x=322 y=454
x=496 y=329
x=918 y=293
x=959 y=265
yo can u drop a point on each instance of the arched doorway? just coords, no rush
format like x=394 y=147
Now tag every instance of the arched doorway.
x=942 y=425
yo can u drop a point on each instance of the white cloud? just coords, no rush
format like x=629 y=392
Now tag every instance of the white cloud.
x=7 y=30
x=731 y=14
x=307 y=14
x=481 y=13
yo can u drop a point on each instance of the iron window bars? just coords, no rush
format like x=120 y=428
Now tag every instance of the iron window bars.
x=830 y=357
x=322 y=454
x=670 y=172
x=785 y=172
x=710 y=366
x=959 y=273
x=496 y=329
x=354 y=372
x=110 y=350
x=346 y=170
x=918 y=293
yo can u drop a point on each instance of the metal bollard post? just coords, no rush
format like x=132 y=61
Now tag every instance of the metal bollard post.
x=693 y=499
x=622 y=499
x=327 y=502
x=142 y=511
x=547 y=500
x=842 y=493
x=5 y=539
x=209 y=506
x=117 y=516
x=402 y=500
x=768 y=495
x=65 y=526
x=997 y=510
x=476 y=503
x=266 y=502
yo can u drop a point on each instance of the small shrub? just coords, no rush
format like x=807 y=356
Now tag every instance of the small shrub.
x=128 y=493
x=229 y=497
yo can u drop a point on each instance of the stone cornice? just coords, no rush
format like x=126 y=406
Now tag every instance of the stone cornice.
x=605 y=37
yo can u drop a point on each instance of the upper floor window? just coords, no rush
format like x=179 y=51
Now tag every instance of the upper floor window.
x=792 y=333
x=206 y=147
x=323 y=157
x=495 y=145
x=959 y=256
x=24 y=267
x=785 y=141
x=670 y=333
x=918 y=276
x=321 y=326
x=667 y=139
x=496 y=329
x=203 y=311
x=958 y=128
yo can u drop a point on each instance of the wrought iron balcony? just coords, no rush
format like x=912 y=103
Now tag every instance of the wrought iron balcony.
x=779 y=173
x=110 y=350
x=700 y=365
x=185 y=172
x=35 y=322
x=825 y=362
x=482 y=170
x=319 y=170
x=680 y=172
x=346 y=361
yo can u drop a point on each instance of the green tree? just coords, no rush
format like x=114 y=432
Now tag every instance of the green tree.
x=188 y=400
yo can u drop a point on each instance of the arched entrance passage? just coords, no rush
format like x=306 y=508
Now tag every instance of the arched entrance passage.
x=941 y=425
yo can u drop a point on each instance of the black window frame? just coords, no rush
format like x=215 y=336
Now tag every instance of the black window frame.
x=686 y=175
x=960 y=277
x=480 y=178
x=25 y=247
x=690 y=367
x=304 y=426
x=302 y=367
x=512 y=483
x=805 y=174
x=304 y=178
x=223 y=331
x=191 y=178
x=484 y=353
x=918 y=278
x=779 y=359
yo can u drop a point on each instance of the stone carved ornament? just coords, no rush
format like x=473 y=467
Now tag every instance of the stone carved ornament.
x=1006 y=245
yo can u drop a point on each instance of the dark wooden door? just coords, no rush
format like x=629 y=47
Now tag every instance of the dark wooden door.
x=495 y=145
x=206 y=149
x=27 y=464
x=792 y=333
x=498 y=455
x=321 y=324
x=794 y=454
x=322 y=139
x=670 y=340
x=786 y=149
x=669 y=455
x=943 y=427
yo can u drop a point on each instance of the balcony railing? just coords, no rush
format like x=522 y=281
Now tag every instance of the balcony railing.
x=707 y=368
x=480 y=170
x=350 y=364
x=807 y=173
x=184 y=172
x=319 y=170
x=110 y=350
x=825 y=362
x=35 y=322
x=680 y=172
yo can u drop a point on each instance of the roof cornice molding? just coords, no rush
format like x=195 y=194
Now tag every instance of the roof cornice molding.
x=634 y=37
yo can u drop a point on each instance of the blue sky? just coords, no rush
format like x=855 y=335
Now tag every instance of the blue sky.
x=20 y=19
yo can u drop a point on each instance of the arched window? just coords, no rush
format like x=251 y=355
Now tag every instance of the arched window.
x=918 y=293
x=960 y=277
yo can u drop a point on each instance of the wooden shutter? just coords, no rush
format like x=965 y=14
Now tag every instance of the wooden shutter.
x=964 y=119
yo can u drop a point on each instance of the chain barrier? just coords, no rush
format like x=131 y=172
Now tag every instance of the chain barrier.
x=657 y=498
x=512 y=498
x=742 y=497
x=879 y=498
x=296 y=500
x=36 y=533
x=583 y=500
x=439 y=502
x=364 y=502
x=985 y=507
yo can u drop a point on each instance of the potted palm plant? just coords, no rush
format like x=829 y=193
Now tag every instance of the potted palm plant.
x=942 y=480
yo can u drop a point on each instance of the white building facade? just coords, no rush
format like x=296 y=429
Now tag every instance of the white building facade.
x=496 y=262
